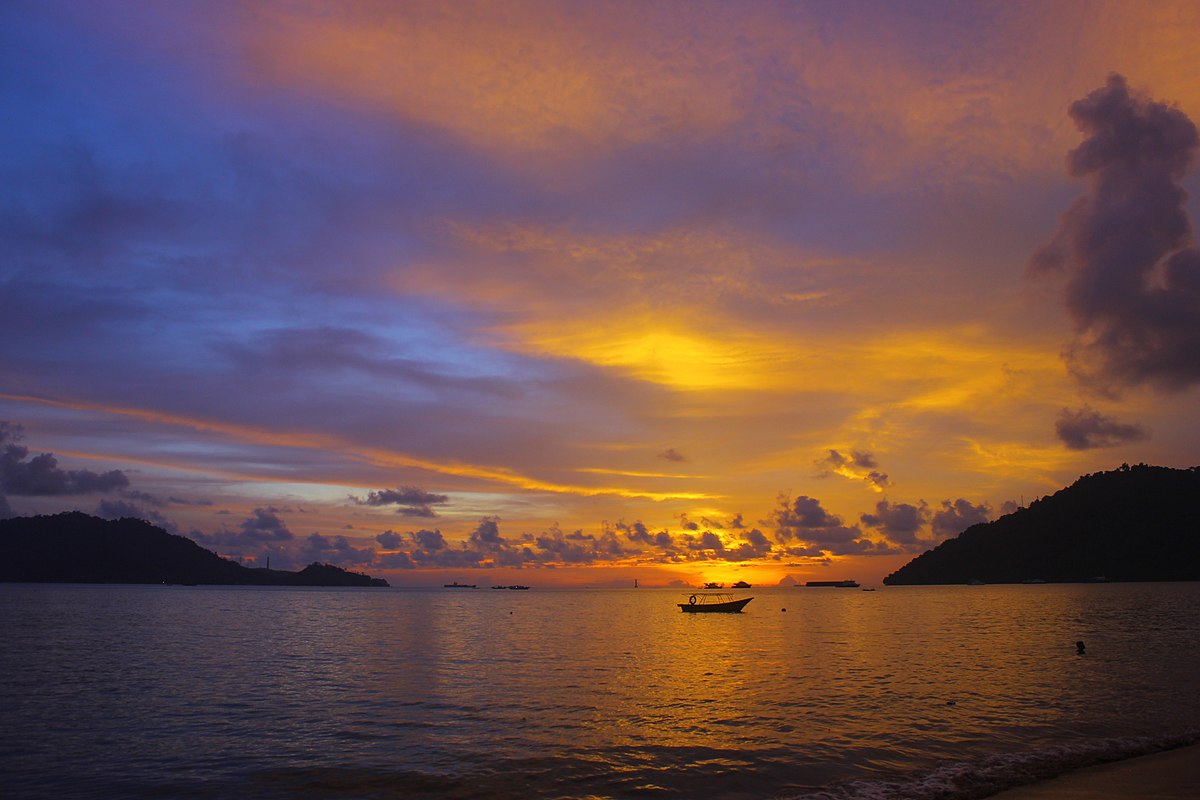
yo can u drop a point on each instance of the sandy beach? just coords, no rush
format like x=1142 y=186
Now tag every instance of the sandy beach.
x=1172 y=775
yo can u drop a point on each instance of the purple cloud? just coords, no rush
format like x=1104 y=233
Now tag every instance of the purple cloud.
x=41 y=476
x=1133 y=274
x=958 y=515
x=1088 y=429
x=901 y=523
x=805 y=521
x=336 y=550
x=410 y=502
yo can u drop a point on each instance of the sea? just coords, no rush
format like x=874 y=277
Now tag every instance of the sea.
x=839 y=694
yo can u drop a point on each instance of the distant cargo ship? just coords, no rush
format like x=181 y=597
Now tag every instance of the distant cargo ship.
x=835 y=584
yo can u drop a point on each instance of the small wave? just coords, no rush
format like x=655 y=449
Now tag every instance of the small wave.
x=996 y=773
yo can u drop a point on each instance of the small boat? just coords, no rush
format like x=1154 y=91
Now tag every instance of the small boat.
x=714 y=585
x=516 y=587
x=457 y=585
x=741 y=585
x=713 y=602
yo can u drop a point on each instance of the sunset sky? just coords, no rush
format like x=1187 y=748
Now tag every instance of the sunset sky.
x=583 y=292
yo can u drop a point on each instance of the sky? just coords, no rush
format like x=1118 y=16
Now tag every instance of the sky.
x=581 y=293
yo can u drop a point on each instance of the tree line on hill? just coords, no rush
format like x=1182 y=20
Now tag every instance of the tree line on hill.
x=78 y=548
x=1139 y=523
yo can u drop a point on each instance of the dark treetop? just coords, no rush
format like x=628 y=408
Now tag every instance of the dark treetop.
x=78 y=548
x=1131 y=524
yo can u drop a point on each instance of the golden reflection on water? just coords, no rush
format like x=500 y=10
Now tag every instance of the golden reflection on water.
x=574 y=690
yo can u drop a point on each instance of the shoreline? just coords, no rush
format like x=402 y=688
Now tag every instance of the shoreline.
x=1167 y=775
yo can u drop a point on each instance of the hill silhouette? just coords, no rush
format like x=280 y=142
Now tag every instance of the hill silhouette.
x=1137 y=523
x=78 y=548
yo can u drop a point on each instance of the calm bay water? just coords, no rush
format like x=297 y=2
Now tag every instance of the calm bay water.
x=206 y=692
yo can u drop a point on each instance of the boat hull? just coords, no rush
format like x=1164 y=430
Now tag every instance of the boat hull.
x=730 y=607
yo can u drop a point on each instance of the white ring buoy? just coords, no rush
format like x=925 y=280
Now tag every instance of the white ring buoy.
x=692 y=600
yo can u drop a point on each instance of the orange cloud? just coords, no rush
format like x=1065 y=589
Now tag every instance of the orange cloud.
x=519 y=77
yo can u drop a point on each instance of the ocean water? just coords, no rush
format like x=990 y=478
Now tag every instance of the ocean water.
x=915 y=692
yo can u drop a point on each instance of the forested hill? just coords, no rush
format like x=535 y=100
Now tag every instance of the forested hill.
x=78 y=548
x=1131 y=524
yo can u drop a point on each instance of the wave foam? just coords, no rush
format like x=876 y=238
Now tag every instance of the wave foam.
x=996 y=773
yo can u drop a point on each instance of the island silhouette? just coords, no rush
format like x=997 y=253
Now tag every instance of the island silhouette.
x=74 y=547
x=1139 y=523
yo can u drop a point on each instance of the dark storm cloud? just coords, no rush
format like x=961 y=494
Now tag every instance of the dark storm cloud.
x=751 y=545
x=262 y=531
x=958 y=515
x=390 y=540
x=261 y=537
x=1133 y=274
x=424 y=548
x=1088 y=429
x=411 y=502
x=41 y=476
x=913 y=528
x=400 y=560
x=806 y=522
x=486 y=547
x=336 y=550
x=805 y=514
x=568 y=548
x=486 y=535
x=901 y=523
x=429 y=540
x=266 y=525
x=638 y=533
